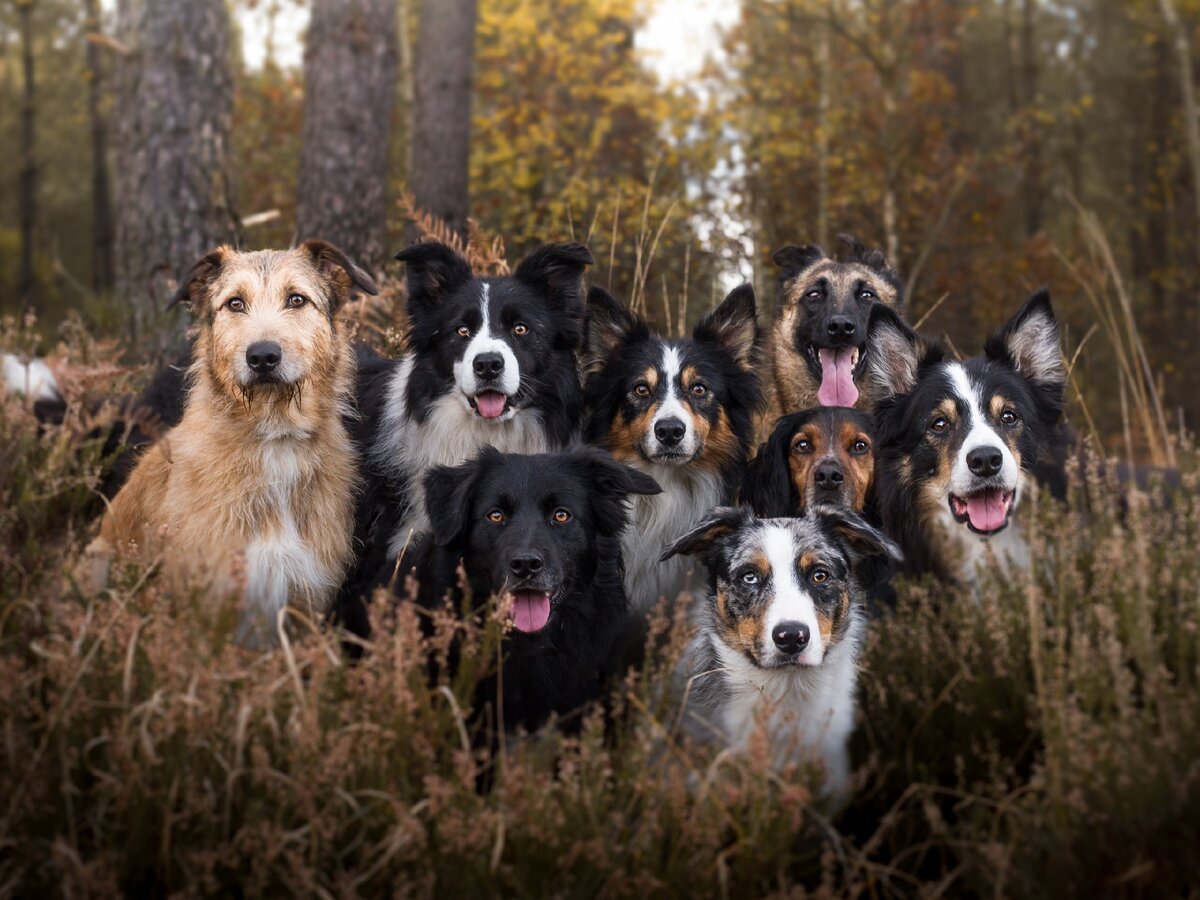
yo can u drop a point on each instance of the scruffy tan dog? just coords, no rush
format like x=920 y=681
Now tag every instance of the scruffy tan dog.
x=253 y=491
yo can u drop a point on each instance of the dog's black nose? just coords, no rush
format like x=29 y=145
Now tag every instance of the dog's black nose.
x=525 y=566
x=841 y=327
x=791 y=637
x=669 y=431
x=263 y=356
x=488 y=365
x=829 y=475
x=985 y=461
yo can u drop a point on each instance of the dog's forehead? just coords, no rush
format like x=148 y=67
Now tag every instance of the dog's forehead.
x=768 y=538
x=262 y=271
x=531 y=480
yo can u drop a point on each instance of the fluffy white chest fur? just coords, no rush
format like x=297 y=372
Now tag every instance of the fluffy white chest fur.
x=975 y=551
x=655 y=521
x=450 y=435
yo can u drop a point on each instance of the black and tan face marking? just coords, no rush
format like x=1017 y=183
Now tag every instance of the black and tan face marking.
x=820 y=329
x=784 y=590
x=672 y=402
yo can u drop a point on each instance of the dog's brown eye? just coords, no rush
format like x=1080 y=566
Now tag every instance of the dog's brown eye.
x=464 y=331
x=496 y=517
x=1008 y=417
x=866 y=294
x=562 y=515
x=814 y=295
x=236 y=304
x=520 y=328
x=819 y=576
x=699 y=390
x=642 y=389
x=295 y=301
x=858 y=448
x=939 y=425
x=802 y=446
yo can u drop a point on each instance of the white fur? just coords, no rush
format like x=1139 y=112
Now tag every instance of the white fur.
x=688 y=493
x=451 y=434
x=981 y=434
x=32 y=379
x=789 y=601
x=483 y=341
x=671 y=408
x=1036 y=349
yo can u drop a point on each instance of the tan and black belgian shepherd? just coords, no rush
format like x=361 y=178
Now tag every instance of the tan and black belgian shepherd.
x=253 y=491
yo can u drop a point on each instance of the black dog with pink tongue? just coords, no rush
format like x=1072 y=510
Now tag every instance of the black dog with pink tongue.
x=541 y=534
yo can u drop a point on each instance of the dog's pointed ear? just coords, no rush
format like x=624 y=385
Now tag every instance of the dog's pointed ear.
x=433 y=270
x=1031 y=343
x=895 y=354
x=607 y=325
x=793 y=260
x=767 y=483
x=557 y=270
x=193 y=287
x=733 y=325
x=702 y=536
x=864 y=542
x=613 y=482
x=341 y=272
x=448 y=491
x=871 y=257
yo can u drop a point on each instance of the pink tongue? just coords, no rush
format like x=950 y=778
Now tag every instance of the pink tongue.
x=837 y=382
x=531 y=610
x=490 y=404
x=986 y=510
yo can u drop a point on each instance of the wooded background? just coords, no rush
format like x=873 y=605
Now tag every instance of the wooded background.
x=989 y=147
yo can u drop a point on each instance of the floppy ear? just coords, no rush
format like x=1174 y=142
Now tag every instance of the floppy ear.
x=612 y=482
x=433 y=270
x=193 y=287
x=342 y=273
x=556 y=269
x=793 y=260
x=1031 y=343
x=895 y=353
x=733 y=325
x=865 y=543
x=448 y=491
x=607 y=325
x=699 y=540
x=767 y=484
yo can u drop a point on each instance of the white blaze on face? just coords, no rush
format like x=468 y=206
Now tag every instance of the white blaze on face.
x=671 y=407
x=486 y=341
x=980 y=433
x=790 y=602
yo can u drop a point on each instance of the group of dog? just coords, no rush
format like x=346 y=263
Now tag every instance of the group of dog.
x=547 y=447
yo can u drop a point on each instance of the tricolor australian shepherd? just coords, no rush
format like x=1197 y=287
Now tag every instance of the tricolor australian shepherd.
x=817 y=456
x=542 y=532
x=818 y=340
x=253 y=491
x=779 y=634
x=957 y=441
x=680 y=410
x=491 y=362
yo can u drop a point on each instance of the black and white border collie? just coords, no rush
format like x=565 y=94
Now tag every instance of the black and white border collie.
x=542 y=533
x=779 y=634
x=491 y=362
x=957 y=442
x=681 y=410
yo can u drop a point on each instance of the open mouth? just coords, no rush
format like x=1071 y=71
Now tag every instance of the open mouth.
x=530 y=610
x=837 y=368
x=984 y=512
x=489 y=404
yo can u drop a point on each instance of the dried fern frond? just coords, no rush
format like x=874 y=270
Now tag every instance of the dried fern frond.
x=486 y=256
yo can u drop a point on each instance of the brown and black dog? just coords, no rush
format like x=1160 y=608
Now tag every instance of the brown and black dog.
x=823 y=455
x=253 y=491
x=818 y=340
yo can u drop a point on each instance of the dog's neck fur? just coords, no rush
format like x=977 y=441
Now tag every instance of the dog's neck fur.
x=688 y=492
x=962 y=554
x=450 y=435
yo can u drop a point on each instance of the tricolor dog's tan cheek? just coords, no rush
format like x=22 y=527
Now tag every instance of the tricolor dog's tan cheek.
x=1010 y=434
x=800 y=465
x=859 y=468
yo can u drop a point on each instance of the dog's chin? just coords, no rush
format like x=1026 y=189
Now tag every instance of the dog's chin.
x=531 y=608
x=797 y=663
x=668 y=457
x=985 y=511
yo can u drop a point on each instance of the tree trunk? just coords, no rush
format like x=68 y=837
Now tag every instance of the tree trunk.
x=175 y=97
x=349 y=89
x=1187 y=89
x=102 y=234
x=27 y=193
x=824 y=75
x=1031 y=187
x=442 y=109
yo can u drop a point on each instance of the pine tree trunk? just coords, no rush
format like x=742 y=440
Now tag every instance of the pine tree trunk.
x=1031 y=186
x=445 y=60
x=349 y=90
x=175 y=96
x=1187 y=90
x=27 y=187
x=102 y=233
